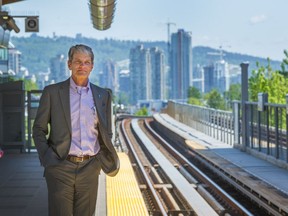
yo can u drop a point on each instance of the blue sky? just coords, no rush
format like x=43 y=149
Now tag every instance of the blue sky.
x=255 y=27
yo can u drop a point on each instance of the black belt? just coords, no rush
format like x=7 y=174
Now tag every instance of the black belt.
x=76 y=159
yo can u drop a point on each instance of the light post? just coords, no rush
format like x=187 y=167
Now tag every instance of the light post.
x=244 y=98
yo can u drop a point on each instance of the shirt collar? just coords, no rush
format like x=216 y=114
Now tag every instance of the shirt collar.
x=76 y=88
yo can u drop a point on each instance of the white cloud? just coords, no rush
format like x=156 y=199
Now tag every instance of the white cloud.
x=258 y=19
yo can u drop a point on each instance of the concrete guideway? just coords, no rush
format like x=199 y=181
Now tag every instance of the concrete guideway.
x=197 y=202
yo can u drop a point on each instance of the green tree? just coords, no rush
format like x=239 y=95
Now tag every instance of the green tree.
x=194 y=96
x=284 y=64
x=234 y=93
x=215 y=100
x=278 y=88
x=195 y=101
x=267 y=80
x=258 y=81
x=194 y=92
x=29 y=85
x=142 y=112
x=272 y=82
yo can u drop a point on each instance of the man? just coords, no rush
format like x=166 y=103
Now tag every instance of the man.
x=72 y=133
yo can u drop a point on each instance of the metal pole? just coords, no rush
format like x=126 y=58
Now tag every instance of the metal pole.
x=244 y=98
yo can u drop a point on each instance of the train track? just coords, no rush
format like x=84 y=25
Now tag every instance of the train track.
x=155 y=188
x=162 y=195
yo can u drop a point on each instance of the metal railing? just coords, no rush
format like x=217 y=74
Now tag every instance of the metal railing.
x=266 y=129
x=33 y=98
x=218 y=124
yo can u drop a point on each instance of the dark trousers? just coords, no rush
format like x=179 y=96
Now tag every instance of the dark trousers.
x=72 y=188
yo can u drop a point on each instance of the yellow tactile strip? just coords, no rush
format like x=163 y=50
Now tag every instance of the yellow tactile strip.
x=123 y=193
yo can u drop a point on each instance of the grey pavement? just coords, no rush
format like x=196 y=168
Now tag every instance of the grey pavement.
x=23 y=189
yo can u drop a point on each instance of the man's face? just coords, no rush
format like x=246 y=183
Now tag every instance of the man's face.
x=81 y=65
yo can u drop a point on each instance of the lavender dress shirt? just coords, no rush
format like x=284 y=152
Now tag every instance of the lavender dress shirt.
x=83 y=121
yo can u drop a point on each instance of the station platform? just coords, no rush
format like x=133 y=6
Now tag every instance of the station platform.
x=23 y=189
x=22 y=185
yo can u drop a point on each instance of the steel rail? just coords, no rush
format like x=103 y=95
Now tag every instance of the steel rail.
x=143 y=172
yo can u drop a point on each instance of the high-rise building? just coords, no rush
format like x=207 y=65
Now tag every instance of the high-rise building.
x=123 y=73
x=58 y=69
x=235 y=74
x=208 y=78
x=14 y=60
x=221 y=76
x=4 y=56
x=124 y=81
x=140 y=74
x=180 y=64
x=217 y=76
x=157 y=73
x=198 y=78
x=109 y=77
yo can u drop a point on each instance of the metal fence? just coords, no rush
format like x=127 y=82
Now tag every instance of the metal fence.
x=33 y=98
x=218 y=124
x=265 y=127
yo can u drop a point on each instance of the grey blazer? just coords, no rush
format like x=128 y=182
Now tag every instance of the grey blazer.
x=54 y=110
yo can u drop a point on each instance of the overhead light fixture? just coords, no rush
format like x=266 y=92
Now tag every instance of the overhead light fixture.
x=102 y=13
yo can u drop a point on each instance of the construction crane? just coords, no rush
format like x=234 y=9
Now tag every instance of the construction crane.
x=168 y=34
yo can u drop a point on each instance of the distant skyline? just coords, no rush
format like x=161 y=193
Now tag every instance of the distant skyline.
x=256 y=27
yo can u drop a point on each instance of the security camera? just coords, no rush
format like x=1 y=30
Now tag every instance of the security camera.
x=32 y=24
